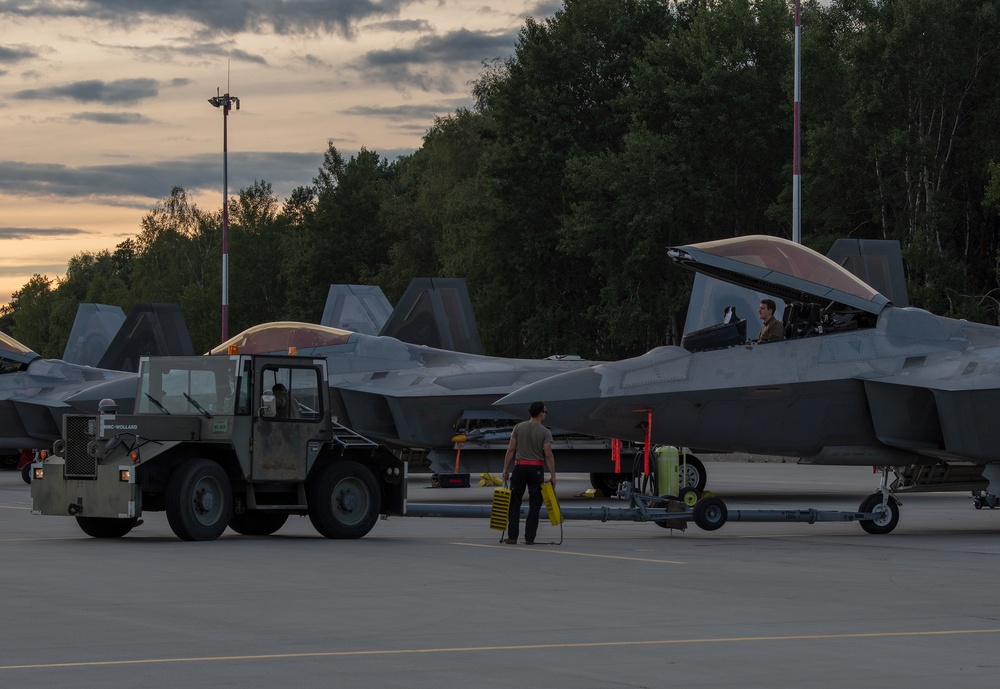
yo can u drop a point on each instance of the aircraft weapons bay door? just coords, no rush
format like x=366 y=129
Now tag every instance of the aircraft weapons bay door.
x=280 y=441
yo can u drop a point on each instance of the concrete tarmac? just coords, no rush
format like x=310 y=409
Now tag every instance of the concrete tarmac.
x=440 y=603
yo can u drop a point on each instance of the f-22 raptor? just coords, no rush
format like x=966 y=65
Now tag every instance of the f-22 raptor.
x=858 y=381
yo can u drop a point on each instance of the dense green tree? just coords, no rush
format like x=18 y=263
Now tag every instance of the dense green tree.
x=911 y=138
x=342 y=239
x=256 y=275
x=28 y=316
x=557 y=98
x=700 y=161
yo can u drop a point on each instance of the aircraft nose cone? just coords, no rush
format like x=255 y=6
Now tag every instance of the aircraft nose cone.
x=571 y=399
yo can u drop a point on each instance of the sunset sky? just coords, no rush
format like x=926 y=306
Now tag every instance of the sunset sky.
x=104 y=102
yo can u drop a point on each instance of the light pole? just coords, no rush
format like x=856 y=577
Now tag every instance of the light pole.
x=225 y=102
x=796 y=124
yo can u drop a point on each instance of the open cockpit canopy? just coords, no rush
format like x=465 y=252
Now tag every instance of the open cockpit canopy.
x=14 y=356
x=784 y=269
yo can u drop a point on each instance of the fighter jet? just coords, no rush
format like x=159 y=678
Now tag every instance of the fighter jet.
x=422 y=383
x=399 y=394
x=858 y=381
x=36 y=392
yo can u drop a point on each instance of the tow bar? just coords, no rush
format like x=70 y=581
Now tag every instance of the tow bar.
x=878 y=514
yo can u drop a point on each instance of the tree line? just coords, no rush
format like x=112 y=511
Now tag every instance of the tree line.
x=617 y=129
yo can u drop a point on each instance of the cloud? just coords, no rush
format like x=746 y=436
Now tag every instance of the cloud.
x=425 y=113
x=10 y=55
x=402 y=26
x=457 y=46
x=438 y=54
x=113 y=117
x=197 y=50
x=228 y=16
x=544 y=8
x=119 y=92
x=140 y=185
x=39 y=232
x=29 y=270
x=315 y=61
x=136 y=184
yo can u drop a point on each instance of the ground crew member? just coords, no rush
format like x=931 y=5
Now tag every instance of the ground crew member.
x=531 y=449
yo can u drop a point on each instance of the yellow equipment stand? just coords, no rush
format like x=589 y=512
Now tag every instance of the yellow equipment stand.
x=552 y=507
x=551 y=504
x=500 y=509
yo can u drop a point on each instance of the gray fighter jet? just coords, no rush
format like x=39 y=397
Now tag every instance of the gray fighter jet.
x=400 y=394
x=858 y=381
x=36 y=392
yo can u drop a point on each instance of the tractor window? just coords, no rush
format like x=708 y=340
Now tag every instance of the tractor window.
x=296 y=392
x=182 y=385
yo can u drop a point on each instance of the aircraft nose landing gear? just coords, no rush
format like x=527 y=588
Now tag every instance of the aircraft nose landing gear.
x=885 y=509
x=983 y=498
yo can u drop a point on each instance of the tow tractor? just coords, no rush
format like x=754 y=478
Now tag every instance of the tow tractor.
x=216 y=441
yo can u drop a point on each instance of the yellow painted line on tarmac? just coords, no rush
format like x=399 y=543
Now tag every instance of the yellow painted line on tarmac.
x=481 y=649
x=542 y=549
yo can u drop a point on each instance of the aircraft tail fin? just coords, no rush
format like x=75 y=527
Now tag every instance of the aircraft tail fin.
x=93 y=331
x=358 y=308
x=879 y=262
x=150 y=329
x=436 y=312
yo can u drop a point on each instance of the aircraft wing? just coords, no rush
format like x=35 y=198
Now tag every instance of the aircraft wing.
x=948 y=419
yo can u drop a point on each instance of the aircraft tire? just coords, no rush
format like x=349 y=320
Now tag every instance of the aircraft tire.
x=606 y=482
x=257 y=523
x=710 y=514
x=105 y=527
x=887 y=522
x=344 y=500
x=695 y=475
x=26 y=473
x=199 y=500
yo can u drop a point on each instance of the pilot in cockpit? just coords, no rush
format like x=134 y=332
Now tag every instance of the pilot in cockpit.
x=771 y=330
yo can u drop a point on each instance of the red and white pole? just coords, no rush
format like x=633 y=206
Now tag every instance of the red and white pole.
x=796 y=161
x=225 y=102
x=225 y=220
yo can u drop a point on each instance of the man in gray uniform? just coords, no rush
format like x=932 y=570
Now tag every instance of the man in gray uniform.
x=531 y=449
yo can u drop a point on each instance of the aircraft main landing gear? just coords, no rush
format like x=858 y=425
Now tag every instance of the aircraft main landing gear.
x=982 y=498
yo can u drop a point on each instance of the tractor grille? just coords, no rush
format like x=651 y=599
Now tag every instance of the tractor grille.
x=79 y=463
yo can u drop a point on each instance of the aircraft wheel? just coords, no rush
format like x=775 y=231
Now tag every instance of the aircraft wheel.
x=689 y=496
x=694 y=474
x=607 y=483
x=105 y=527
x=710 y=514
x=26 y=473
x=10 y=461
x=344 y=500
x=257 y=523
x=888 y=519
x=199 y=501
